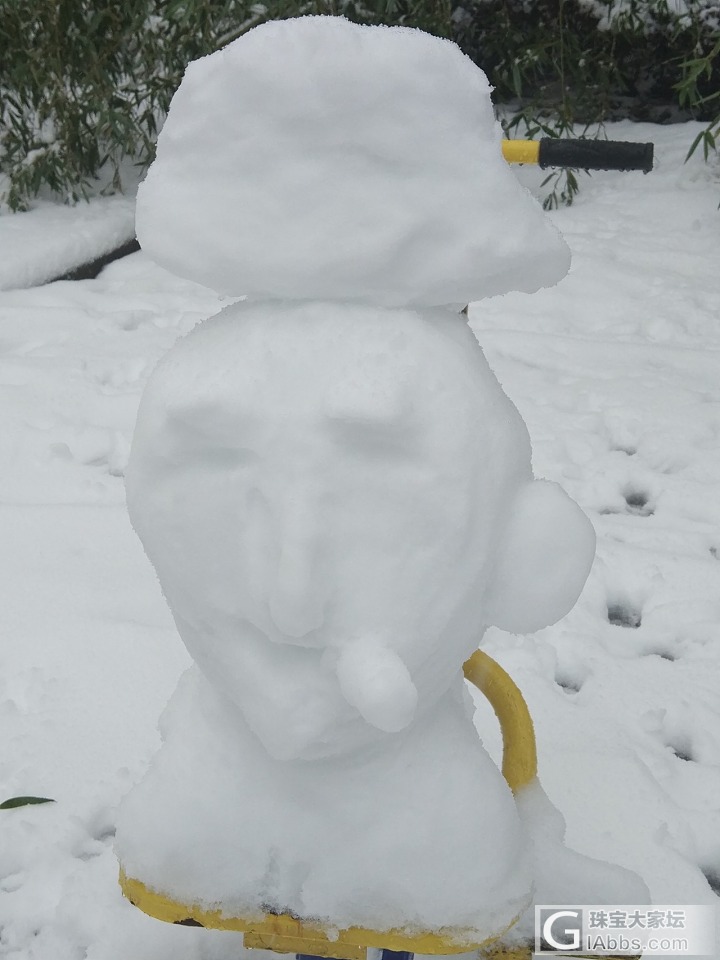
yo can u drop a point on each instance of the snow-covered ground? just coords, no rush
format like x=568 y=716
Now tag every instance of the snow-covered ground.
x=617 y=373
x=50 y=240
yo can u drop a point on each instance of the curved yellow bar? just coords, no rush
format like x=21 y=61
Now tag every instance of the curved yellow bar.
x=286 y=934
x=521 y=151
x=519 y=765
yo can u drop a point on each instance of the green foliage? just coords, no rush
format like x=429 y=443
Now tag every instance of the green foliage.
x=562 y=64
x=694 y=89
x=547 y=58
x=23 y=802
x=85 y=84
x=587 y=61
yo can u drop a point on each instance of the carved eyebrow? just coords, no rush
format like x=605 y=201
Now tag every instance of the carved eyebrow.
x=373 y=420
x=209 y=423
x=387 y=437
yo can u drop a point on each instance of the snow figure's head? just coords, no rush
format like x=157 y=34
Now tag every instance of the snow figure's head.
x=316 y=159
x=338 y=500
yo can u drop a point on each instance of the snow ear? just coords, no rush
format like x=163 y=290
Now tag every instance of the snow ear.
x=544 y=560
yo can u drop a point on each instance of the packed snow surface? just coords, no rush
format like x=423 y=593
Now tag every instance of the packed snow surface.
x=317 y=159
x=615 y=372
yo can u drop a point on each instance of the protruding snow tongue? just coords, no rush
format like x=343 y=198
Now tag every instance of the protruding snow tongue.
x=375 y=681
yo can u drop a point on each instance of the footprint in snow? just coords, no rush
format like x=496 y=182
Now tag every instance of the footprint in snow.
x=682 y=749
x=95 y=447
x=663 y=655
x=638 y=502
x=712 y=875
x=624 y=614
x=569 y=685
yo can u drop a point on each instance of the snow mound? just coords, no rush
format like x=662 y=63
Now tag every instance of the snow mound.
x=42 y=244
x=318 y=159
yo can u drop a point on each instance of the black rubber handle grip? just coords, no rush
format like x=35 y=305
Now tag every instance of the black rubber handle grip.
x=596 y=154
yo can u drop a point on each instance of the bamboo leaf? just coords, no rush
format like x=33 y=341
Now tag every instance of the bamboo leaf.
x=23 y=802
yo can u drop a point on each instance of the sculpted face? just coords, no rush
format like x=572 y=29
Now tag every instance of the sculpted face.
x=321 y=504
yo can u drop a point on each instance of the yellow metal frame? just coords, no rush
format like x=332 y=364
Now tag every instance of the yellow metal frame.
x=521 y=151
x=519 y=765
x=286 y=934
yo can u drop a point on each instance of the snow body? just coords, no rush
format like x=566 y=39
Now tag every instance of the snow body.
x=333 y=488
x=324 y=494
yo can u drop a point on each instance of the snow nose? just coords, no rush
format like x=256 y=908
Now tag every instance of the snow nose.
x=297 y=596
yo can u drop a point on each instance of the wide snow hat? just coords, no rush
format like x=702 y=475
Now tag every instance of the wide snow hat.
x=318 y=159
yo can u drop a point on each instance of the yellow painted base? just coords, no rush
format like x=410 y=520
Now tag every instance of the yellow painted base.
x=285 y=934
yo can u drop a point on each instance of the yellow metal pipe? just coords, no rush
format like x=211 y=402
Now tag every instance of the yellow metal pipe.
x=519 y=764
x=521 y=151
x=286 y=934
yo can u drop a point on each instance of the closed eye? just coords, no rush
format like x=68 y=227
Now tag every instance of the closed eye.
x=375 y=438
x=210 y=441
x=227 y=458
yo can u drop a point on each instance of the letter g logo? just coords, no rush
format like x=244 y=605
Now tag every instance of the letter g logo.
x=571 y=932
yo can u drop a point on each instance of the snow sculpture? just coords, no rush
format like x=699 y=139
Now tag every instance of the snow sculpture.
x=334 y=490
